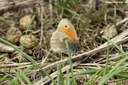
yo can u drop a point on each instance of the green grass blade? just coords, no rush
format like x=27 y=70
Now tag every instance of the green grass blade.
x=24 y=77
x=28 y=57
x=59 y=76
x=3 y=78
x=107 y=59
x=67 y=78
x=116 y=67
x=70 y=62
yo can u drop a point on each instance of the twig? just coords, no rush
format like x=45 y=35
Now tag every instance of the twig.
x=6 y=48
x=19 y=4
x=113 y=2
x=122 y=21
x=14 y=65
x=53 y=75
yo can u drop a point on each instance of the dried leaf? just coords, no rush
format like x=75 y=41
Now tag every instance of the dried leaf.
x=109 y=32
x=6 y=48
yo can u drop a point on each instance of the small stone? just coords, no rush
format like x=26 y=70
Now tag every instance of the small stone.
x=13 y=35
x=28 y=41
x=25 y=21
x=109 y=32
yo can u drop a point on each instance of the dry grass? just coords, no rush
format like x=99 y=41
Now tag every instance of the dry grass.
x=90 y=18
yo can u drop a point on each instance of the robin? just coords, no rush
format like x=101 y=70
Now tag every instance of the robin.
x=65 y=33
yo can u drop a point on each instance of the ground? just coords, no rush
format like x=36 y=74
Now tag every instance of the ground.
x=26 y=27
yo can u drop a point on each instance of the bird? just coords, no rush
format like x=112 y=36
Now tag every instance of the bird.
x=65 y=32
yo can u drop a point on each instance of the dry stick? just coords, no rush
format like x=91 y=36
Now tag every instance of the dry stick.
x=51 y=8
x=113 y=2
x=53 y=75
x=43 y=60
x=6 y=48
x=42 y=31
x=122 y=21
x=14 y=65
x=19 y=4
x=113 y=57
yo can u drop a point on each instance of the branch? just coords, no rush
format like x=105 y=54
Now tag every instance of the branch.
x=19 y=4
